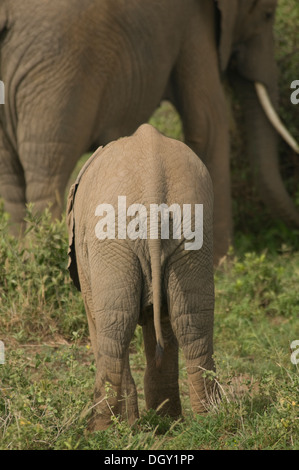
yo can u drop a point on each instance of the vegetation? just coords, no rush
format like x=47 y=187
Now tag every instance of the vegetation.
x=46 y=382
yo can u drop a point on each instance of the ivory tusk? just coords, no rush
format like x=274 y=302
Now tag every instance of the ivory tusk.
x=273 y=116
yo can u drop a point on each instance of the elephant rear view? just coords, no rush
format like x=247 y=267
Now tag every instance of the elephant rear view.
x=140 y=250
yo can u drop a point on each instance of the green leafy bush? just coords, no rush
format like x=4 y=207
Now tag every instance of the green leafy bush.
x=37 y=294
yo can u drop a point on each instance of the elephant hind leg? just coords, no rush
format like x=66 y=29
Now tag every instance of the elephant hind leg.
x=46 y=181
x=116 y=307
x=194 y=332
x=128 y=407
x=115 y=393
x=191 y=310
x=161 y=384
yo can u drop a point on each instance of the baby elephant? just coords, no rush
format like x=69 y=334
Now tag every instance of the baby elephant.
x=140 y=250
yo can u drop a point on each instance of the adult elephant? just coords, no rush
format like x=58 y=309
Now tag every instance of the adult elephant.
x=83 y=73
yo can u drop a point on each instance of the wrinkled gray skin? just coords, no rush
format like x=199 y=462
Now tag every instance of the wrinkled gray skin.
x=82 y=73
x=124 y=281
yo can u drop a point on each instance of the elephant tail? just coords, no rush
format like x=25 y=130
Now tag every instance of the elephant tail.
x=155 y=256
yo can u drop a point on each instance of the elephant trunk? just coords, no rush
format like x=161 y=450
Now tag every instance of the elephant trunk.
x=263 y=153
x=155 y=256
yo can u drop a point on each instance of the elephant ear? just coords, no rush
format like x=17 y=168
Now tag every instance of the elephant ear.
x=228 y=13
x=72 y=263
x=70 y=218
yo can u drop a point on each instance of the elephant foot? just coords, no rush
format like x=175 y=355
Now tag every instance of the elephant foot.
x=103 y=409
x=168 y=408
x=98 y=422
x=106 y=408
x=204 y=394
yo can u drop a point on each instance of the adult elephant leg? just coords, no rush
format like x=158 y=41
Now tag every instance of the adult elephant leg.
x=12 y=184
x=215 y=153
x=116 y=290
x=191 y=307
x=202 y=104
x=217 y=159
x=50 y=144
x=161 y=384
x=262 y=146
x=47 y=170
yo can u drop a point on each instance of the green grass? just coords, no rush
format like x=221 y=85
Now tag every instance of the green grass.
x=46 y=382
